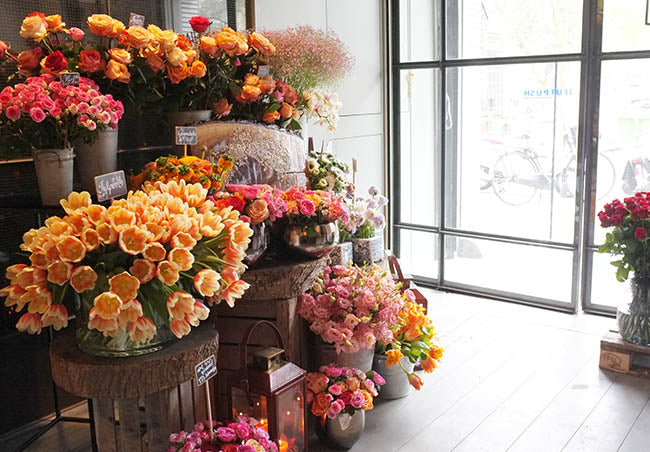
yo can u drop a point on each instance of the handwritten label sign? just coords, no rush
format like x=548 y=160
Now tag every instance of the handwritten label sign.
x=69 y=79
x=136 y=19
x=263 y=71
x=186 y=135
x=205 y=370
x=110 y=185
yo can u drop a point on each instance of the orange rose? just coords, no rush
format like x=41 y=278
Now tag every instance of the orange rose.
x=198 y=69
x=261 y=44
x=209 y=45
x=29 y=60
x=251 y=79
x=231 y=42
x=368 y=405
x=117 y=29
x=138 y=37
x=155 y=62
x=117 y=71
x=178 y=73
x=266 y=84
x=258 y=211
x=321 y=404
x=54 y=23
x=270 y=117
x=222 y=107
x=121 y=55
x=100 y=24
x=175 y=56
x=91 y=61
x=249 y=93
x=286 y=111
x=34 y=27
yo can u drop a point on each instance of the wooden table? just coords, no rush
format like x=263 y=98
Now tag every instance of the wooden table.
x=154 y=395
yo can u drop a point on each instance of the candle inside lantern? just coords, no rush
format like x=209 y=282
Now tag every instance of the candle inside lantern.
x=284 y=446
x=264 y=423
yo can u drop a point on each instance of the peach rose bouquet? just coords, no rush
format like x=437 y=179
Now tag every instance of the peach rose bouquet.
x=144 y=268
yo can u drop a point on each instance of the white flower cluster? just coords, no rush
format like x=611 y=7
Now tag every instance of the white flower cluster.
x=322 y=107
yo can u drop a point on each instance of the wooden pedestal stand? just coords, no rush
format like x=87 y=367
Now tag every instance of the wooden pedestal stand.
x=273 y=295
x=154 y=395
x=620 y=356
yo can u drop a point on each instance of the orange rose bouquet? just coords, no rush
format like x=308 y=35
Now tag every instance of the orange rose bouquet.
x=414 y=339
x=140 y=267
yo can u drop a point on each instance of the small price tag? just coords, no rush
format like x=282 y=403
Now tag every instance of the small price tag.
x=110 y=185
x=136 y=19
x=205 y=370
x=263 y=71
x=186 y=135
x=69 y=79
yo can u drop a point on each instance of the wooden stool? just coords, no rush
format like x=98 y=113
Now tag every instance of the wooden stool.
x=154 y=394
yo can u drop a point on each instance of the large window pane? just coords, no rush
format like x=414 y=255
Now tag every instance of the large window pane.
x=624 y=26
x=418 y=31
x=497 y=28
x=511 y=149
x=518 y=269
x=419 y=253
x=623 y=156
x=605 y=289
x=418 y=144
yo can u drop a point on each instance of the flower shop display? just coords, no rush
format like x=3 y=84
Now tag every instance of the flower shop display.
x=352 y=308
x=137 y=266
x=365 y=226
x=413 y=342
x=261 y=206
x=630 y=222
x=193 y=170
x=326 y=172
x=243 y=435
x=46 y=118
x=339 y=398
x=269 y=388
x=311 y=220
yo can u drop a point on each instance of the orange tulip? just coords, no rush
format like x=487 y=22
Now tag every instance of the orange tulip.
x=83 y=278
x=180 y=328
x=415 y=381
x=71 y=249
x=29 y=323
x=142 y=330
x=106 y=305
x=182 y=258
x=133 y=240
x=167 y=273
x=59 y=272
x=206 y=282
x=90 y=238
x=125 y=286
x=56 y=316
x=154 y=252
x=129 y=312
x=143 y=269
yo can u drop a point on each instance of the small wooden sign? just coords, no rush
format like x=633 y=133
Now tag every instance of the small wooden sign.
x=69 y=79
x=205 y=370
x=110 y=185
x=186 y=135
x=263 y=71
x=136 y=19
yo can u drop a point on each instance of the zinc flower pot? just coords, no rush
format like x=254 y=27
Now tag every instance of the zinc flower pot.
x=341 y=432
x=326 y=354
x=54 y=172
x=397 y=384
x=98 y=157
x=633 y=317
x=315 y=241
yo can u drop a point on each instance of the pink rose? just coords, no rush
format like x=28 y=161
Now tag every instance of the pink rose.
x=226 y=434
x=333 y=371
x=13 y=112
x=76 y=34
x=37 y=114
x=357 y=400
x=336 y=407
x=307 y=207
x=378 y=379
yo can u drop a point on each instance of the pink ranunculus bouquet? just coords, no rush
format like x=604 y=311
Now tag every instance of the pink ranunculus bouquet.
x=243 y=435
x=334 y=390
x=42 y=114
x=352 y=307
x=310 y=207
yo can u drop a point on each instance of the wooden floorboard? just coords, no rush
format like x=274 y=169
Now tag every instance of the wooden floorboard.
x=514 y=378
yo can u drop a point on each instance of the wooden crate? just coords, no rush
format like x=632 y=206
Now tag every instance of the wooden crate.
x=622 y=357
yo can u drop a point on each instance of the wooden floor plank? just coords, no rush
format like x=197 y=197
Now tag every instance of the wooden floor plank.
x=638 y=438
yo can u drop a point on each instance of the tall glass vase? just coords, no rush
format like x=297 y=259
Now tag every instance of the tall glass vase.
x=634 y=317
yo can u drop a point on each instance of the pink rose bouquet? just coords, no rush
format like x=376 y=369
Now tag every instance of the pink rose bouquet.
x=352 y=307
x=42 y=114
x=243 y=435
x=311 y=207
x=255 y=203
x=334 y=390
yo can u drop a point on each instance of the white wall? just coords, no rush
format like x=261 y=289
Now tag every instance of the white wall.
x=358 y=23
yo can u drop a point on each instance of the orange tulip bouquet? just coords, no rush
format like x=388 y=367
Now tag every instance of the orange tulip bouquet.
x=413 y=341
x=143 y=268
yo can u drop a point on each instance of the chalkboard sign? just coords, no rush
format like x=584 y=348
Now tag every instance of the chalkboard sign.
x=69 y=79
x=110 y=185
x=186 y=135
x=136 y=19
x=205 y=370
x=263 y=71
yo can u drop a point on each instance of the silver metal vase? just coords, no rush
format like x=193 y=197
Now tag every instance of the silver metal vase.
x=343 y=431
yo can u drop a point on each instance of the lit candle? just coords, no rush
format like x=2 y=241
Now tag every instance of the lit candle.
x=264 y=423
x=284 y=446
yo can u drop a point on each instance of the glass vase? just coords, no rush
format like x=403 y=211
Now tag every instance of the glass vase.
x=314 y=240
x=94 y=342
x=634 y=316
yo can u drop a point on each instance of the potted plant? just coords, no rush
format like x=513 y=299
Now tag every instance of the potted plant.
x=46 y=118
x=351 y=308
x=243 y=435
x=339 y=398
x=629 y=222
x=413 y=342
x=139 y=268
x=260 y=206
x=311 y=218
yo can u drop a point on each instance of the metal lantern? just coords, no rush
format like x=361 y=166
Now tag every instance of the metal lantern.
x=271 y=390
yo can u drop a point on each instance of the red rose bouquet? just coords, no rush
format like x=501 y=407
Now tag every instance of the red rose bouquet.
x=256 y=203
